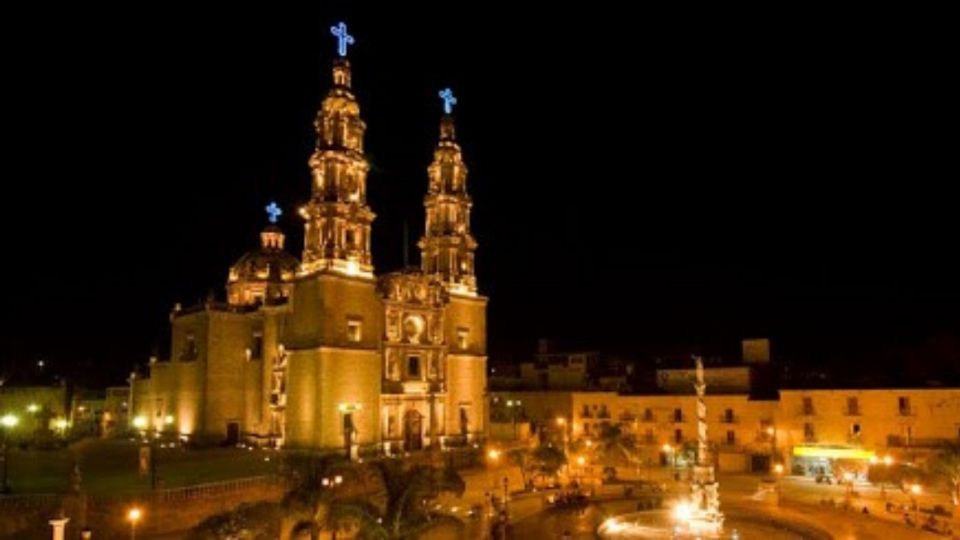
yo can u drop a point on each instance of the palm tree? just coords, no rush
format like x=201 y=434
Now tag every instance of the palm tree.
x=403 y=511
x=947 y=466
x=313 y=479
x=616 y=445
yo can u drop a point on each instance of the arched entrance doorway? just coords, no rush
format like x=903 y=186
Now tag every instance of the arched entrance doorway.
x=412 y=431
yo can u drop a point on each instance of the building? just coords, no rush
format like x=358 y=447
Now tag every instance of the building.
x=38 y=408
x=809 y=430
x=553 y=369
x=320 y=352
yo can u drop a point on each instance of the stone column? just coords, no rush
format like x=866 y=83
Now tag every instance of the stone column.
x=58 y=525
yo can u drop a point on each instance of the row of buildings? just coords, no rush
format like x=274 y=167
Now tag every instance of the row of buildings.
x=810 y=429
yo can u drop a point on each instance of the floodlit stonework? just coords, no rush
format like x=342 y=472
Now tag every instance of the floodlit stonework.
x=319 y=352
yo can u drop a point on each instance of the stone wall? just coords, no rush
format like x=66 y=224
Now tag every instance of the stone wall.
x=164 y=512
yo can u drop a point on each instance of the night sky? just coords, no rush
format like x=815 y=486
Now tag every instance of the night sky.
x=642 y=181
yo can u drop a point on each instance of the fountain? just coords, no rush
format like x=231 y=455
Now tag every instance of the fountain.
x=699 y=515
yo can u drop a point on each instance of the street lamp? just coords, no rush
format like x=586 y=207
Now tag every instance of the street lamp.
x=915 y=490
x=8 y=422
x=133 y=516
x=778 y=469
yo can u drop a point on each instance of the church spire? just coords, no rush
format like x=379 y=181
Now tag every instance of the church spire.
x=337 y=229
x=447 y=247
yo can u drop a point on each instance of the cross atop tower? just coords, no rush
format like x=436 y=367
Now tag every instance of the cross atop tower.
x=448 y=100
x=273 y=212
x=343 y=38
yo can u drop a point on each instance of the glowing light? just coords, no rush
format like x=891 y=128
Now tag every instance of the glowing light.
x=848 y=477
x=581 y=461
x=33 y=407
x=887 y=460
x=9 y=421
x=273 y=212
x=140 y=422
x=613 y=526
x=916 y=489
x=832 y=452
x=493 y=454
x=778 y=468
x=448 y=100
x=325 y=482
x=168 y=420
x=561 y=421
x=134 y=515
x=343 y=38
x=682 y=512
x=666 y=448
x=874 y=460
x=589 y=443
x=770 y=431
x=338 y=479
x=60 y=423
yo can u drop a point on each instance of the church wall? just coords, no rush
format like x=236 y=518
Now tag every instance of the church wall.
x=229 y=338
x=300 y=415
x=321 y=307
x=468 y=314
x=466 y=386
x=348 y=378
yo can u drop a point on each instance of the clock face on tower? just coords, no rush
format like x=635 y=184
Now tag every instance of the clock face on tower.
x=413 y=326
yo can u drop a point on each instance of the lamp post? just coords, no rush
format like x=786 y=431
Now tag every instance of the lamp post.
x=133 y=516
x=772 y=434
x=7 y=422
x=493 y=456
x=915 y=490
x=514 y=407
x=778 y=470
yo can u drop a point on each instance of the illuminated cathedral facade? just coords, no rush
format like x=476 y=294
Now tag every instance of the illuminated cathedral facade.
x=320 y=352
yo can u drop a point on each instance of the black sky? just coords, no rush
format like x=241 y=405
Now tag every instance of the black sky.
x=640 y=179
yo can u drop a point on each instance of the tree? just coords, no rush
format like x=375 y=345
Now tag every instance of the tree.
x=251 y=521
x=547 y=460
x=520 y=458
x=404 y=511
x=947 y=466
x=616 y=446
x=311 y=497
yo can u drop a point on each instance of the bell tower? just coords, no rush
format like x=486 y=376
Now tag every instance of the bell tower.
x=337 y=229
x=447 y=248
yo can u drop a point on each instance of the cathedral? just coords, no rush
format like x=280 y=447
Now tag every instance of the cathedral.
x=321 y=352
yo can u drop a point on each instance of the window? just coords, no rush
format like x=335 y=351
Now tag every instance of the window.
x=648 y=415
x=728 y=416
x=808 y=406
x=462 y=335
x=855 y=429
x=903 y=403
x=808 y=433
x=256 y=351
x=413 y=366
x=189 y=348
x=731 y=437
x=678 y=435
x=464 y=420
x=853 y=406
x=678 y=415
x=354 y=330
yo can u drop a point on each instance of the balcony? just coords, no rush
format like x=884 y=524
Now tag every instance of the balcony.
x=586 y=413
x=897 y=441
x=627 y=416
x=604 y=413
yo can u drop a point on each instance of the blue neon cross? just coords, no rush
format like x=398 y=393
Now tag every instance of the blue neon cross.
x=273 y=212
x=343 y=38
x=448 y=100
